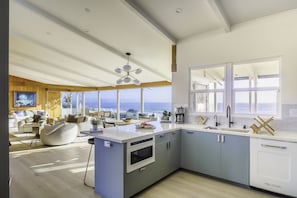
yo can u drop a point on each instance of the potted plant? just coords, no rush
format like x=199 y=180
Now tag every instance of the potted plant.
x=166 y=115
x=95 y=122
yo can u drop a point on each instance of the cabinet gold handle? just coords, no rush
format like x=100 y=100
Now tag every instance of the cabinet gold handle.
x=273 y=146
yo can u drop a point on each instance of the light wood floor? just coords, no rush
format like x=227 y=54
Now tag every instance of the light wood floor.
x=58 y=172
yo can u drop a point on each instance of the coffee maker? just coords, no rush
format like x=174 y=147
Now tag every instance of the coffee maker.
x=180 y=115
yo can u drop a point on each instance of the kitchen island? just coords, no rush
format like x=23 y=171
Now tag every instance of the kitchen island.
x=166 y=148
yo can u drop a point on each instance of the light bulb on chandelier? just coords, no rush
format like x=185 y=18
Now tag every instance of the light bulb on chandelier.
x=127 y=78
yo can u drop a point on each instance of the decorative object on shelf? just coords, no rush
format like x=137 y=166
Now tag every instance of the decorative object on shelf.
x=263 y=124
x=128 y=78
x=166 y=116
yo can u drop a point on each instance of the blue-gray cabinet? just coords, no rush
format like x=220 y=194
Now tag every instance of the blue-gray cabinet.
x=167 y=160
x=140 y=179
x=109 y=169
x=200 y=153
x=235 y=155
x=218 y=155
x=167 y=153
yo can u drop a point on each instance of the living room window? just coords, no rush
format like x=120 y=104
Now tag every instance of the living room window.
x=251 y=88
x=157 y=99
x=108 y=101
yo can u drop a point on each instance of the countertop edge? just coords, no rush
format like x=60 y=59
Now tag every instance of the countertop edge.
x=287 y=136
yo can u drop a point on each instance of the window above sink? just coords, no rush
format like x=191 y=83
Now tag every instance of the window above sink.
x=250 y=88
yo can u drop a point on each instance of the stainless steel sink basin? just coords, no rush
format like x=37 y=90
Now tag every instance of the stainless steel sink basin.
x=227 y=129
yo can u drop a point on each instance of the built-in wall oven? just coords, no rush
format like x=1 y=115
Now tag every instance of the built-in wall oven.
x=140 y=152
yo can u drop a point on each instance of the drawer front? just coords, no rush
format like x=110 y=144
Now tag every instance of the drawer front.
x=273 y=165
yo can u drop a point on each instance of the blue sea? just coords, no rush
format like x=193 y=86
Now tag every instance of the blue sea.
x=153 y=107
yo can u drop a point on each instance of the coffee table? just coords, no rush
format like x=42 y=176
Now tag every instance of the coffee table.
x=36 y=130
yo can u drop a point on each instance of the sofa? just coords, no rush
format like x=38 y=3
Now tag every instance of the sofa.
x=58 y=134
x=27 y=124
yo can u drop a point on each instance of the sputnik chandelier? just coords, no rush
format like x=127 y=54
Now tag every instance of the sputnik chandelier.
x=127 y=77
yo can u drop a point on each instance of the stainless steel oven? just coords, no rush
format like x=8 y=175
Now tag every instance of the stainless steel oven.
x=140 y=153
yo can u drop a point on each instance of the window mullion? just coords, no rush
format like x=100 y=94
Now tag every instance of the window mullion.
x=229 y=86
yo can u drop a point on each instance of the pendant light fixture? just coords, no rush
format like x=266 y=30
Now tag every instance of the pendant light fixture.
x=127 y=69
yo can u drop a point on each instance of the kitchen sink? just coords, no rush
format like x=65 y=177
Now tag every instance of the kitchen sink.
x=227 y=129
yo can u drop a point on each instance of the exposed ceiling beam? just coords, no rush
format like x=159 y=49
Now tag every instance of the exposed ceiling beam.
x=82 y=34
x=146 y=18
x=57 y=67
x=66 y=54
x=57 y=75
x=219 y=12
x=22 y=71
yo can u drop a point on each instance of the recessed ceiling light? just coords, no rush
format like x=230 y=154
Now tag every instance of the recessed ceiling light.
x=87 y=10
x=178 y=10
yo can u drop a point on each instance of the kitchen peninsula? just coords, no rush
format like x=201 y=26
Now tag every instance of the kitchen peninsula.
x=128 y=159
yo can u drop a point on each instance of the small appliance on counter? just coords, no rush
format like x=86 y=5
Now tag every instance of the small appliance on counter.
x=180 y=115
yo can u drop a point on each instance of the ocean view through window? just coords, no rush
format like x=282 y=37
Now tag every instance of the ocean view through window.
x=155 y=101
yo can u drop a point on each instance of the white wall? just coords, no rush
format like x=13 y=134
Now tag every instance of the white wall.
x=266 y=37
x=270 y=36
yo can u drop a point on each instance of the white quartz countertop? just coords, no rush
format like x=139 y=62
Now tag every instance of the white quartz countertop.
x=122 y=134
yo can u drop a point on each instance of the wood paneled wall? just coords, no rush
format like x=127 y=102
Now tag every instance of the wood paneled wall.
x=19 y=84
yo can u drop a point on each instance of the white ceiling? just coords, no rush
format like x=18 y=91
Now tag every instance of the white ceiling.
x=81 y=42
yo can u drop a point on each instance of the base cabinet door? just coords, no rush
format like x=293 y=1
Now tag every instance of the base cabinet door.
x=174 y=151
x=161 y=155
x=189 y=145
x=235 y=158
x=217 y=155
x=167 y=153
x=208 y=154
x=273 y=166
x=200 y=152
x=139 y=179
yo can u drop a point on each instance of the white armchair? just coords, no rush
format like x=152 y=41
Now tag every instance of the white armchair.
x=58 y=134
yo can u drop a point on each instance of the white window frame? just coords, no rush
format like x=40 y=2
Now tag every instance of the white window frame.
x=214 y=91
x=257 y=89
x=229 y=91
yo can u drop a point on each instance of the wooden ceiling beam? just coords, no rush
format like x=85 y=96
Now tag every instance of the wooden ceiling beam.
x=219 y=12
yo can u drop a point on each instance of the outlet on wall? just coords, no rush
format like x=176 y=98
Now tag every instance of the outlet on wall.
x=293 y=112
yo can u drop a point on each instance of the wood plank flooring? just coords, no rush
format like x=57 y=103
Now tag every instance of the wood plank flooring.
x=58 y=172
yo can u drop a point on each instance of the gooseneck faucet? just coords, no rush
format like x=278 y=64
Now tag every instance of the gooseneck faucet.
x=229 y=116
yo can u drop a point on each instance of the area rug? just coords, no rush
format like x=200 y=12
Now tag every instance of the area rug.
x=28 y=141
